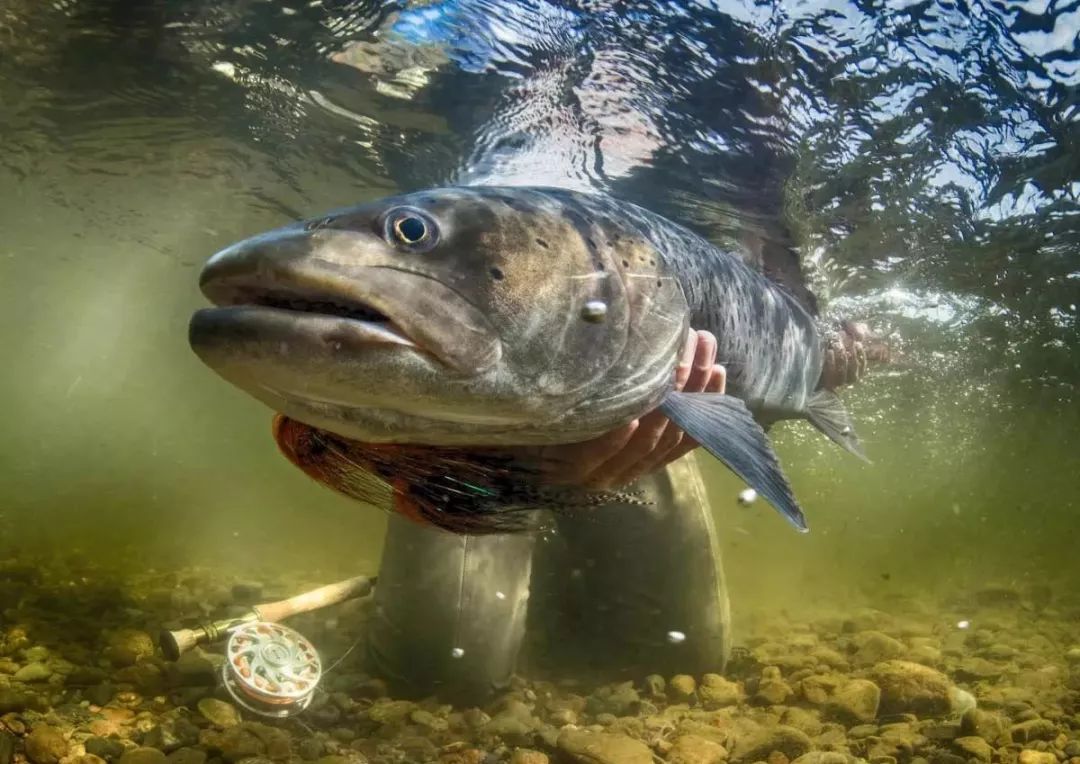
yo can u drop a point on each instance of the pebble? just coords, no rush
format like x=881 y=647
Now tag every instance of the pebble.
x=990 y=726
x=234 y=743
x=874 y=647
x=856 y=701
x=1033 y=729
x=1037 y=757
x=515 y=722
x=187 y=756
x=36 y=653
x=219 y=713
x=881 y=689
x=695 y=749
x=171 y=733
x=681 y=688
x=803 y=719
x=393 y=712
x=621 y=700
x=908 y=687
x=310 y=748
x=528 y=756
x=655 y=686
x=33 y=672
x=429 y=720
x=108 y=748
x=127 y=646
x=717 y=692
x=46 y=745
x=758 y=745
x=975 y=668
x=974 y=747
x=603 y=748
x=7 y=747
x=860 y=731
x=143 y=756
x=823 y=757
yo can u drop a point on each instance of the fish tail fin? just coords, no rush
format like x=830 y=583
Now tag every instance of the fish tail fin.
x=827 y=413
x=725 y=427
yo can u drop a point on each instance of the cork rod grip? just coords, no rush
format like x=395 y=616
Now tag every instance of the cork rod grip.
x=324 y=596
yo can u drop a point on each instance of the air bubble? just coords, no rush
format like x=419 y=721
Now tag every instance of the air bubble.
x=676 y=637
x=457 y=652
x=500 y=596
x=747 y=497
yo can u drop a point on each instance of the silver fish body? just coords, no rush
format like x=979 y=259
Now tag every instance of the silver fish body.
x=509 y=316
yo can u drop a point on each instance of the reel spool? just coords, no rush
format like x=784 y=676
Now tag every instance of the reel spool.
x=270 y=669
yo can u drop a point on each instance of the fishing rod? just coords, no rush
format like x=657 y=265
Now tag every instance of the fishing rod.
x=269 y=669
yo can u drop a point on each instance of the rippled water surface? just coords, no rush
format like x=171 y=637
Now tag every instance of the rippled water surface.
x=924 y=158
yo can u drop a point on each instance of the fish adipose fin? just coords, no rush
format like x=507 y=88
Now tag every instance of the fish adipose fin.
x=725 y=427
x=827 y=413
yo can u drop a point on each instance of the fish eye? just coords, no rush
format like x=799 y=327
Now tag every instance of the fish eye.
x=410 y=228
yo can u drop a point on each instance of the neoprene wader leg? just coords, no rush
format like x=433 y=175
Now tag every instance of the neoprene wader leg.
x=638 y=589
x=449 y=611
x=625 y=589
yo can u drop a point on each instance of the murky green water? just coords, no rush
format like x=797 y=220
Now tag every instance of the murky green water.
x=925 y=157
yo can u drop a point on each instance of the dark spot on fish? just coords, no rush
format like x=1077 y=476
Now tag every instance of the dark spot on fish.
x=497 y=274
x=886 y=576
x=659 y=282
x=625 y=264
x=542 y=243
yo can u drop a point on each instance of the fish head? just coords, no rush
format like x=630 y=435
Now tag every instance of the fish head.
x=450 y=316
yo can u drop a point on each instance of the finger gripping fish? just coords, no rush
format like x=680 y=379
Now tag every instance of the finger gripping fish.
x=460 y=319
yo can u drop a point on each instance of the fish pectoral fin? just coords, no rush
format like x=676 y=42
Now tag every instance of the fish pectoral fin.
x=725 y=427
x=827 y=413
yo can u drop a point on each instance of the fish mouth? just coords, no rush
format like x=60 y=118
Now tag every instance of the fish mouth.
x=346 y=321
x=321 y=289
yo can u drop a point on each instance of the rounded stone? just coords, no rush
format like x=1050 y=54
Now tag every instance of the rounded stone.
x=681 y=688
x=912 y=688
x=46 y=745
x=219 y=713
x=143 y=755
x=127 y=646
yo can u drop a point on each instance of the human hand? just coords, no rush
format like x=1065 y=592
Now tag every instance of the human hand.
x=847 y=353
x=646 y=444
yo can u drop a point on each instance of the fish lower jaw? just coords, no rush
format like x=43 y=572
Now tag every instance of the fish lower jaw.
x=379 y=423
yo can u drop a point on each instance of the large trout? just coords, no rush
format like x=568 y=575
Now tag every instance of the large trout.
x=467 y=318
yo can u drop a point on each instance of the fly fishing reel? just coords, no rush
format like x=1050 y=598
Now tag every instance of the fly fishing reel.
x=270 y=669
